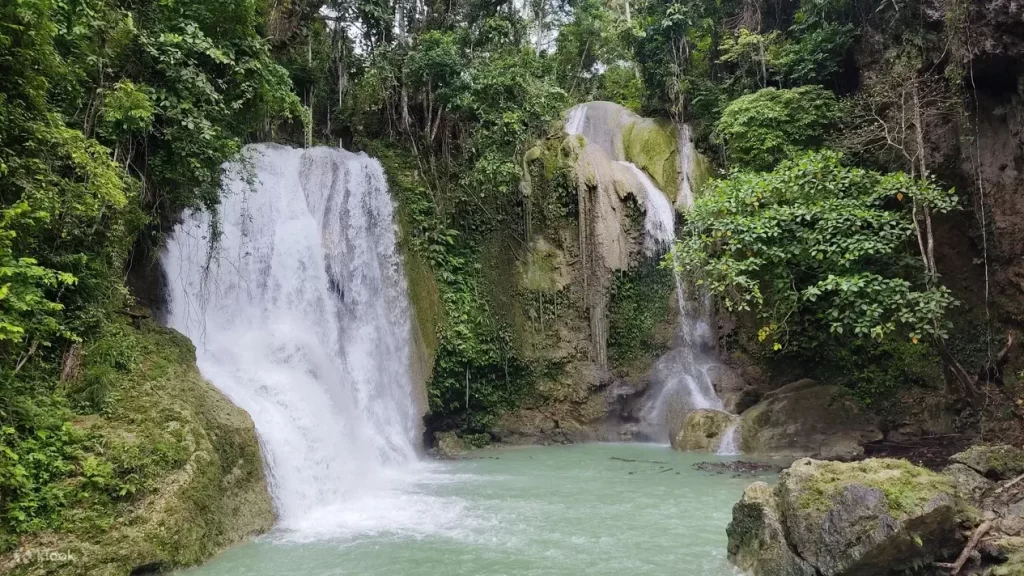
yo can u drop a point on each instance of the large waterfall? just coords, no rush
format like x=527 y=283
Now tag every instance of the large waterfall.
x=298 y=309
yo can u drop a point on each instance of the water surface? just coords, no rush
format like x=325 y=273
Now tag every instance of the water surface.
x=600 y=509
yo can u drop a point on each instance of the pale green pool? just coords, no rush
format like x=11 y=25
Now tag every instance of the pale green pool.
x=595 y=509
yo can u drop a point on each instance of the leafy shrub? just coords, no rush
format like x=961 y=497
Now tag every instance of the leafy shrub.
x=761 y=129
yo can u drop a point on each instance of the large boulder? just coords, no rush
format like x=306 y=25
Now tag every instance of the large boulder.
x=805 y=418
x=969 y=484
x=870 y=518
x=703 y=430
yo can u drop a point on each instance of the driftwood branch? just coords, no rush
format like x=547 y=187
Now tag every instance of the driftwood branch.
x=965 y=555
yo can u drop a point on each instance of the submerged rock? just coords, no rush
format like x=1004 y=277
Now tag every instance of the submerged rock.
x=874 y=517
x=738 y=467
x=805 y=418
x=703 y=430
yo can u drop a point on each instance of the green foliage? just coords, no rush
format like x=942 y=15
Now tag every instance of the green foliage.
x=621 y=84
x=640 y=301
x=472 y=342
x=112 y=117
x=591 y=51
x=763 y=128
x=817 y=243
x=816 y=56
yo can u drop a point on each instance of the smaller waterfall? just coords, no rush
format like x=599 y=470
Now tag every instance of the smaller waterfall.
x=729 y=446
x=681 y=377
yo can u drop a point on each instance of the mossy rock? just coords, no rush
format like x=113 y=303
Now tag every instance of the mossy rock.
x=449 y=446
x=653 y=145
x=969 y=484
x=1013 y=547
x=703 y=430
x=876 y=516
x=203 y=485
x=994 y=462
x=544 y=269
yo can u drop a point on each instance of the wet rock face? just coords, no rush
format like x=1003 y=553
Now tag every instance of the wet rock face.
x=807 y=419
x=736 y=394
x=874 y=517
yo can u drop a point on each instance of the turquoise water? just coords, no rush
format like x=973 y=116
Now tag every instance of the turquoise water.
x=596 y=509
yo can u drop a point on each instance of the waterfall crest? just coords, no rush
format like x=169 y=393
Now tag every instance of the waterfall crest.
x=300 y=315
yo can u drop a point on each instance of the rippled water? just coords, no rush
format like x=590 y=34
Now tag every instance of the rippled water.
x=600 y=509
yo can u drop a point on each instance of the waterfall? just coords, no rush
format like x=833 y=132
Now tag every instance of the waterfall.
x=299 y=314
x=681 y=379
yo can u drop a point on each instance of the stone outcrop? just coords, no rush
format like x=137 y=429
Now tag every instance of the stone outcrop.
x=869 y=518
x=994 y=462
x=735 y=392
x=703 y=430
x=805 y=418
x=988 y=479
x=449 y=446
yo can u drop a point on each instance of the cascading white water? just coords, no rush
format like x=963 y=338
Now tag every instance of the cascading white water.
x=659 y=217
x=577 y=116
x=299 y=314
x=729 y=445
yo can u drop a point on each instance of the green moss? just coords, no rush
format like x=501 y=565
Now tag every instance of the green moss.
x=640 y=303
x=426 y=301
x=702 y=171
x=702 y=430
x=184 y=476
x=906 y=487
x=1002 y=462
x=543 y=269
x=653 y=146
x=1014 y=565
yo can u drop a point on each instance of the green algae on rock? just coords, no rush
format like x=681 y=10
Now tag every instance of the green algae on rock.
x=994 y=462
